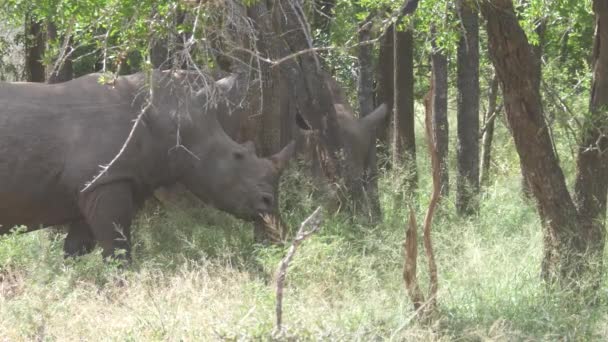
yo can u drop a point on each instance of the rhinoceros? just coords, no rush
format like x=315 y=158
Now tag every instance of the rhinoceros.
x=356 y=134
x=53 y=139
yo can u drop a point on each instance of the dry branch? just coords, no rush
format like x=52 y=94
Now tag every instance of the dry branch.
x=314 y=221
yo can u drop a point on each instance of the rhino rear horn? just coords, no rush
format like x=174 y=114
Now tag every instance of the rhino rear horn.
x=281 y=159
x=372 y=120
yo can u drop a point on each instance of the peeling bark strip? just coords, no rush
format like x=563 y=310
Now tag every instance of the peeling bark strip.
x=435 y=197
x=314 y=222
x=411 y=260
x=422 y=307
x=574 y=234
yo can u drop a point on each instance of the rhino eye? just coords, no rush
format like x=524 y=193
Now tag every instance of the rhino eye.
x=238 y=155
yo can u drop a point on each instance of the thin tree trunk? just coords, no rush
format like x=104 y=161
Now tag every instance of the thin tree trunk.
x=404 y=141
x=591 y=184
x=34 y=50
x=467 y=180
x=365 y=90
x=439 y=65
x=488 y=132
x=65 y=71
x=574 y=234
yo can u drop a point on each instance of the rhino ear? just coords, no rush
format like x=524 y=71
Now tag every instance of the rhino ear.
x=250 y=146
x=281 y=159
x=372 y=120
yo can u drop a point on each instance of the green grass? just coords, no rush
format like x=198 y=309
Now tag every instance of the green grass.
x=198 y=276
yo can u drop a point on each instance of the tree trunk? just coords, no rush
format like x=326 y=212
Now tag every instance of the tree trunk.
x=159 y=54
x=439 y=65
x=34 y=50
x=385 y=74
x=488 y=132
x=591 y=184
x=65 y=70
x=273 y=104
x=365 y=91
x=404 y=141
x=573 y=233
x=467 y=180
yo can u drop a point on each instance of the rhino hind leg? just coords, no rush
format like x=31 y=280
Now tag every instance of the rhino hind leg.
x=108 y=211
x=79 y=241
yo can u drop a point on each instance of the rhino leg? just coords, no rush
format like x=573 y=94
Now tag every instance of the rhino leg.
x=79 y=241
x=108 y=210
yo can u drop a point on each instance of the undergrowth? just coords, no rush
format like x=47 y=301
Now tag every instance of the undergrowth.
x=197 y=275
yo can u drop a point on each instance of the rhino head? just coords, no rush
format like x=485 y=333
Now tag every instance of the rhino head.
x=221 y=172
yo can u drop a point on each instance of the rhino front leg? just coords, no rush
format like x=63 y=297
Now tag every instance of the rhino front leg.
x=79 y=241
x=108 y=210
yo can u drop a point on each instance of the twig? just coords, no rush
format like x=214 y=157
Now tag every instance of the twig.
x=314 y=221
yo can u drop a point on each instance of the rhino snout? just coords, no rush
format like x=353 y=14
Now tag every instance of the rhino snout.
x=265 y=203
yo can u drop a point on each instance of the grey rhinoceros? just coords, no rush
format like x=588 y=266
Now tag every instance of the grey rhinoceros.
x=53 y=139
x=356 y=134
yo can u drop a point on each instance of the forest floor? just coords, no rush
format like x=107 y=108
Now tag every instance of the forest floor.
x=197 y=276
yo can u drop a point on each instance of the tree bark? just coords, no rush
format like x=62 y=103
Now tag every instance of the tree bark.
x=467 y=180
x=404 y=141
x=488 y=132
x=439 y=65
x=365 y=91
x=65 y=71
x=574 y=233
x=34 y=50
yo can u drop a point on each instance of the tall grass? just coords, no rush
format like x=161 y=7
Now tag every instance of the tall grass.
x=198 y=276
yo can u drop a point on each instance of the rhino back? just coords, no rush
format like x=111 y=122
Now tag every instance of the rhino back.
x=53 y=139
